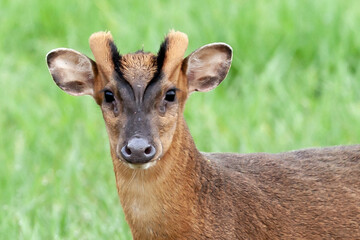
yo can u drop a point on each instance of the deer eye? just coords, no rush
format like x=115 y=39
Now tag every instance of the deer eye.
x=109 y=96
x=170 y=95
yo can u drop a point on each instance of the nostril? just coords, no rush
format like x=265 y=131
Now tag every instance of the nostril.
x=127 y=150
x=148 y=150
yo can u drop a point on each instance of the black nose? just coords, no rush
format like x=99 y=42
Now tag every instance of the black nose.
x=137 y=151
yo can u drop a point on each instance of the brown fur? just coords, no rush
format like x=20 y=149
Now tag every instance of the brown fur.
x=138 y=68
x=99 y=44
x=177 y=43
x=305 y=194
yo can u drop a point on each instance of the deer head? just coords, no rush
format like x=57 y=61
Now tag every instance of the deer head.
x=141 y=95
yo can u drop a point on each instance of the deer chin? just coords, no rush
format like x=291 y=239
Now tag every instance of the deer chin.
x=142 y=166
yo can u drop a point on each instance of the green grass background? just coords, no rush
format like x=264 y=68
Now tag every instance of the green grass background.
x=294 y=83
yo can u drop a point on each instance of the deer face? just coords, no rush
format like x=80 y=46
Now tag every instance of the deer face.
x=140 y=106
x=141 y=95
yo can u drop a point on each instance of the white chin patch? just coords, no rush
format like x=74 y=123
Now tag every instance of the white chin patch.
x=141 y=166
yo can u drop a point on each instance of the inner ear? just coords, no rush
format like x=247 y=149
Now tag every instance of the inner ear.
x=72 y=71
x=208 y=66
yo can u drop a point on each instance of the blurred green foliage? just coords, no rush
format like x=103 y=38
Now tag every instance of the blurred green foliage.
x=294 y=83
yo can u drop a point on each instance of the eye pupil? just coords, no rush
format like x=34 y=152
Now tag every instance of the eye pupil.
x=109 y=96
x=170 y=95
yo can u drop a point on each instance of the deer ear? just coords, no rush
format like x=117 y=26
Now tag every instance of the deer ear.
x=72 y=71
x=208 y=66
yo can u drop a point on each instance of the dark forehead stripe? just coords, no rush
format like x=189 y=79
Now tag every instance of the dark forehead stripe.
x=116 y=58
x=161 y=56
x=159 y=62
x=153 y=84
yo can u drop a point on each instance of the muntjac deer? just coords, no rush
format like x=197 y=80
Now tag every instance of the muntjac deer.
x=167 y=188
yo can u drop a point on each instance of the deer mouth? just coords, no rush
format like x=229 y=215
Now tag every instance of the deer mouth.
x=141 y=166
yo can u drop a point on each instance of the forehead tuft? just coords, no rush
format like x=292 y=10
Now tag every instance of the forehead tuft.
x=138 y=67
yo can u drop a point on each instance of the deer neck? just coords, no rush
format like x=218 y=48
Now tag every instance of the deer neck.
x=165 y=193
